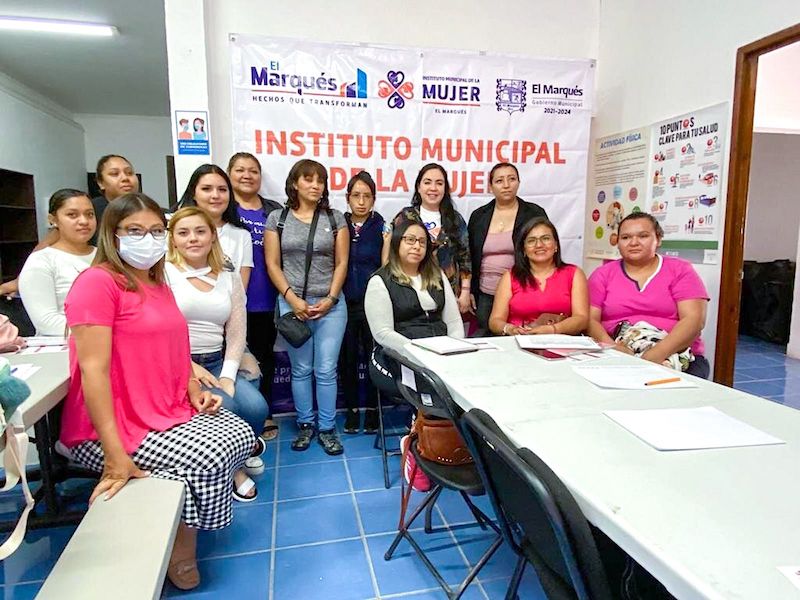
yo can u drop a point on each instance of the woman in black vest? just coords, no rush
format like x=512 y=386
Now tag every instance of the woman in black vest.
x=408 y=298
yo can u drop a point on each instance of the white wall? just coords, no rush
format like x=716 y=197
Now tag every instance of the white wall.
x=778 y=91
x=39 y=137
x=532 y=27
x=145 y=141
x=659 y=60
x=773 y=201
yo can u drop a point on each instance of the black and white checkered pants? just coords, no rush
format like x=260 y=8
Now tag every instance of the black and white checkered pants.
x=202 y=453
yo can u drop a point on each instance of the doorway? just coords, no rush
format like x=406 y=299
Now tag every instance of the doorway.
x=744 y=99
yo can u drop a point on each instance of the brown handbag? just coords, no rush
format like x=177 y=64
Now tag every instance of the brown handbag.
x=438 y=440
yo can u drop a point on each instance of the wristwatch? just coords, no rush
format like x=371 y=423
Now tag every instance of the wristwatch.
x=334 y=301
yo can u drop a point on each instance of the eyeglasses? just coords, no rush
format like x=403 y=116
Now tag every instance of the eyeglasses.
x=158 y=233
x=413 y=241
x=545 y=240
x=359 y=196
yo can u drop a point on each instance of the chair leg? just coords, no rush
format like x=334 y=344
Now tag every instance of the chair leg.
x=498 y=541
x=428 y=515
x=480 y=518
x=516 y=578
x=382 y=435
x=402 y=531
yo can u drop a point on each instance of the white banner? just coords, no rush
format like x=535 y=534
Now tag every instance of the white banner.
x=391 y=110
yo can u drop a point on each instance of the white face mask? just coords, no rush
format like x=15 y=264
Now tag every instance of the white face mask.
x=141 y=254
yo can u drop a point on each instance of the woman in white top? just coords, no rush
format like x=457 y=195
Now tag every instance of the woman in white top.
x=210 y=188
x=408 y=298
x=48 y=273
x=213 y=302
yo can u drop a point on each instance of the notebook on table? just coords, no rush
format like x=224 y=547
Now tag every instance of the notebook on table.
x=444 y=344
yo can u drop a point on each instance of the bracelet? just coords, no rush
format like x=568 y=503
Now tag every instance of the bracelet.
x=553 y=325
x=504 y=328
x=334 y=301
x=286 y=291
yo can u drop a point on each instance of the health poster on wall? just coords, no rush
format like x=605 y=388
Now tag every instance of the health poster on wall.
x=620 y=180
x=685 y=179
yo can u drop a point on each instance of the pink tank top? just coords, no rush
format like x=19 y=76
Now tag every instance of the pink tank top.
x=527 y=303
x=498 y=257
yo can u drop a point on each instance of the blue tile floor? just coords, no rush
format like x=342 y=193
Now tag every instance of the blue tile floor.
x=321 y=524
x=319 y=529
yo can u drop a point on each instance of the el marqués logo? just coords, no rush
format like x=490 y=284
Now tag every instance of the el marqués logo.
x=271 y=83
x=556 y=95
x=451 y=94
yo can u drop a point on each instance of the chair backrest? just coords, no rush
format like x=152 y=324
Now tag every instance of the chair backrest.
x=538 y=516
x=430 y=396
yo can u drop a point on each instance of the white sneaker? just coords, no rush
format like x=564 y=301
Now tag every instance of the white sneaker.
x=254 y=465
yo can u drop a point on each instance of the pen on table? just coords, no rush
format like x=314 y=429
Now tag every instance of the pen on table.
x=660 y=381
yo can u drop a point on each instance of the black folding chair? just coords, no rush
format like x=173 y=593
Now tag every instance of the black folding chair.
x=538 y=517
x=391 y=403
x=433 y=400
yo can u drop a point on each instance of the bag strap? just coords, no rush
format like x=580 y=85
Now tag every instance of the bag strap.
x=310 y=251
x=14 y=459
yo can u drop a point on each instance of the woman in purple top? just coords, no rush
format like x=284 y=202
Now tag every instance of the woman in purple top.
x=245 y=173
x=665 y=292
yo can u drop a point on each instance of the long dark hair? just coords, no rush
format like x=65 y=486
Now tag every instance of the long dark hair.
x=230 y=215
x=446 y=208
x=522 y=266
x=306 y=168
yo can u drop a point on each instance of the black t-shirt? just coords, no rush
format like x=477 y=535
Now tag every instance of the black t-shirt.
x=99 y=203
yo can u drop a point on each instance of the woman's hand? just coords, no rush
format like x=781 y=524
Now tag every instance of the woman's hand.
x=623 y=348
x=300 y=308
x=204 y=376
x=206 y=403
x=117 y=470
x=540 y=330
x=320 y=309
x=227 y=385
x=516 y=330
x=464 y=301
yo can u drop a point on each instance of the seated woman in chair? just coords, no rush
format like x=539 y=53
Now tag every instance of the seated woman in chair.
x=133 y=408
x=541 y=294
x=650 y=305
x=48 y=273
x=408 y=298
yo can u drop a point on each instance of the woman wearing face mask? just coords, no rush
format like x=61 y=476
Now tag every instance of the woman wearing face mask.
x=315 y=299
x=48 y=273
x=492 y=230
x=210 y=189
x=366 y=227
x=245 y=174
x=126 y=327
x=433 y=207
x=213 y=302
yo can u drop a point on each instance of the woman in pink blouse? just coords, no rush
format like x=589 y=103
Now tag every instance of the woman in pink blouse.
x=541 y=293
x=133 y=408
x=644 y=286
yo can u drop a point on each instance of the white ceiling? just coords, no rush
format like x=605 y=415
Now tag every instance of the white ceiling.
x=122 y=75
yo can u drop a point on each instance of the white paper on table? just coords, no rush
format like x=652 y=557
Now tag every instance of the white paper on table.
x=444 y=344
x=24 y=370
x=792 y=573
x=690 y=428
x=46 y=340
x=632 y=377
x=559 y=340
x=44 y=350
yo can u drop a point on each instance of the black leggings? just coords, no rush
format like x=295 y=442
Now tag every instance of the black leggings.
x=356 y=346
x=261 y=335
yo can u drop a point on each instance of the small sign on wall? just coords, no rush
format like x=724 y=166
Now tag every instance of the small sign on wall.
x=192 y=132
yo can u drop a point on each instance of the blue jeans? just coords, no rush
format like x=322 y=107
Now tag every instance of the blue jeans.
x=247 y=402
x=318 y=357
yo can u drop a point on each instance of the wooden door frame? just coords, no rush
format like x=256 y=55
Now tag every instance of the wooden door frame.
x=744 y=99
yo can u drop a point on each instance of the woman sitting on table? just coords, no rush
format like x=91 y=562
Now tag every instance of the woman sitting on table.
x=408 y=298
x=133 y=408
x=657 y=302
x=48 y=273
x=541 y=294
x=213 y=302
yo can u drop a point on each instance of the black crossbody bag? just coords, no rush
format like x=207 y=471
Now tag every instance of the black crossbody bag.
x=293 y=330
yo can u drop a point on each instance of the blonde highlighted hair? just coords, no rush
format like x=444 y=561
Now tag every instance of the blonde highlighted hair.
x=107 y=254
x=429 y=267
x=216 y=258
